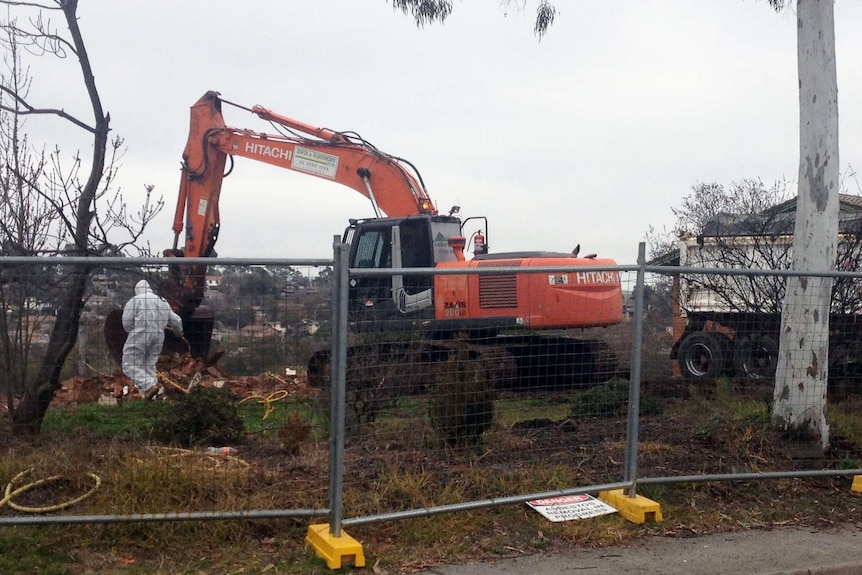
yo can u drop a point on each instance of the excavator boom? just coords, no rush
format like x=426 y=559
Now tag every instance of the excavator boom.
x=335 y=156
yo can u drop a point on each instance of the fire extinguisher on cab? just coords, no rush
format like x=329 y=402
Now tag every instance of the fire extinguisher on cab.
x=479 y=246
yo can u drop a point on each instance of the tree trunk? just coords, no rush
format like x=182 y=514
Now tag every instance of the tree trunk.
x=30 y=412
x=801 y=375
x=28 y=415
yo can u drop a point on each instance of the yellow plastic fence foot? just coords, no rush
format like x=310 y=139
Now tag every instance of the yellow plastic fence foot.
x=637 y=509
x=857 y=484
x=333 y=549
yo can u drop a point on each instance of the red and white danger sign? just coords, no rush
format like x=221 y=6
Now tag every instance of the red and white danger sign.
x=570 y=507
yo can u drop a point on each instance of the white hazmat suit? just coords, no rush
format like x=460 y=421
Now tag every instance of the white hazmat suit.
x=145 y=318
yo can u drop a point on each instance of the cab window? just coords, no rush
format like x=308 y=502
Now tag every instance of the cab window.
x=372 y=251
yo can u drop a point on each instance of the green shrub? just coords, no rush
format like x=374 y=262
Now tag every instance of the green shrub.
x=461 y=407
x=205 y=415
x=611 y=399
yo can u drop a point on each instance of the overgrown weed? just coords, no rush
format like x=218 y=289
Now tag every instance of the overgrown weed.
x=844 y=420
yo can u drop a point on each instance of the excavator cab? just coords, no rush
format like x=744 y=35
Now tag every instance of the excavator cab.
x=413 y=236
x=392 y=243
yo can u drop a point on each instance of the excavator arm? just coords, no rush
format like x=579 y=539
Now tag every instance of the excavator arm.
x=392 y=185
x=335 y=156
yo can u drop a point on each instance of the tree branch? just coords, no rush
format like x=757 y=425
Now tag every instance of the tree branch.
x=29 y=110
x=31 y=5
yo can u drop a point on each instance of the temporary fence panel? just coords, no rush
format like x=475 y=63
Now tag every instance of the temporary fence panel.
x=714 y=417
x=234 y=428
x=436 y=416
x=448 y=413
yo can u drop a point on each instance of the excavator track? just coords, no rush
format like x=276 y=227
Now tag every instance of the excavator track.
x=558 y=361
x=516 y=363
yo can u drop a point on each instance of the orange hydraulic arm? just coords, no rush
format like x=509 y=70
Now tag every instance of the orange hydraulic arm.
x=330 y=155
x=341 y=157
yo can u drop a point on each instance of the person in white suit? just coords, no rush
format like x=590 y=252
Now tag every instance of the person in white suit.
x=145 y=317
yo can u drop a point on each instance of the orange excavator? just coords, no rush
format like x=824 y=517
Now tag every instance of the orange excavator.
x=525 y=316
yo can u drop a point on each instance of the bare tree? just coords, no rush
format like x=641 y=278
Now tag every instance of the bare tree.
x=77 y=209
x=24 y=218
x=708 y=201
x=746 y=205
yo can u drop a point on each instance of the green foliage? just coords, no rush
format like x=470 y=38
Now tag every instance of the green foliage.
x=611 y=399
x=461 y=406
x=723 y=388
x=844 y=420
x=203 y=416
x=430 y=11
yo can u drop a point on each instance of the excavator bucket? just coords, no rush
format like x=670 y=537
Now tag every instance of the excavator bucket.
x=197 y=329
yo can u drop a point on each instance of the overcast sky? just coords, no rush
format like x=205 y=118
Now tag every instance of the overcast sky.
x=588 y=136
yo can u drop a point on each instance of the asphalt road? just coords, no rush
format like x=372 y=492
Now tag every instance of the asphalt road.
x=786 y=551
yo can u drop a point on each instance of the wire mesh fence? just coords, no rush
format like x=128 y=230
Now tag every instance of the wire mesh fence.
x=444 y=417
x=719 y=410
x=224 y=429
x=436 y=415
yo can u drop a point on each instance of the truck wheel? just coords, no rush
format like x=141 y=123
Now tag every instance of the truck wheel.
x=755 y=356
x=703 y=356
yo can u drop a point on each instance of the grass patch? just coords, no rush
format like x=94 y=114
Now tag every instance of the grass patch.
x=515 y=409
x=205 y=415
x=265 y=419
x=23 y=551
x=611 y=399
x=133 y=419
x=845 y=421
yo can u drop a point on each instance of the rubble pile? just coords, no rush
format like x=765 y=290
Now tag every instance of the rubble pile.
x=178 y=373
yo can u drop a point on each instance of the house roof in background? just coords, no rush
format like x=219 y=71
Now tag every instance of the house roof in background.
x=777 y=220
x=781 y=219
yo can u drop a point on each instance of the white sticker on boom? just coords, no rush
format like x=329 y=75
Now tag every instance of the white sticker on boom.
x=314 y=162
x=202 y=207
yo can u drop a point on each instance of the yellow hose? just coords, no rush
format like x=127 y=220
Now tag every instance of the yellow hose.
x=172 y=383
x=267 y=401
x=10 y=493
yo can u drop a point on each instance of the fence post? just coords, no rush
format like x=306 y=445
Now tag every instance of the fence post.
x=338 y=388
x=633 y=419
x=328 y=541
x=634 y=507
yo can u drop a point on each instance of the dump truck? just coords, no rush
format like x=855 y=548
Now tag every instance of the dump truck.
x=728 y=325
